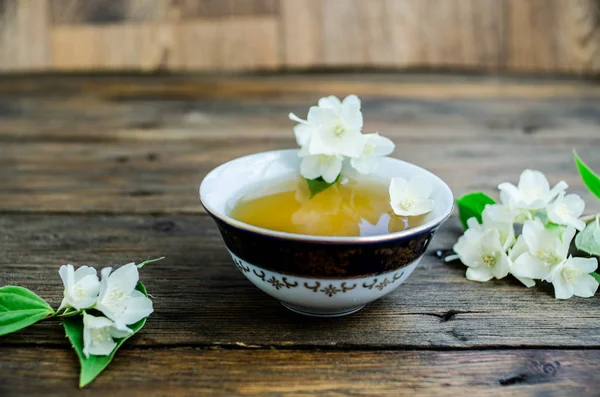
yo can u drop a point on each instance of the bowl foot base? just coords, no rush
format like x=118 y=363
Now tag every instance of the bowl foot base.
x=307 y=311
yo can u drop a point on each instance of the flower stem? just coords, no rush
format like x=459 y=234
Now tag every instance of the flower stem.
x=69 y=313
x=140 y=265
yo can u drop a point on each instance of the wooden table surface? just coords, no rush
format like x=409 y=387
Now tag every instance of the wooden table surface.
x=105 y=169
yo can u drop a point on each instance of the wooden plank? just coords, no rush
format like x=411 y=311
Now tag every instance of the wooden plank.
x=342 y=39
x=543 y=36
x=73 y=48
x=83 y=153
x=82 y=12
x=188 y=371
x=238 y=44
x=465 y=34
x=122 y=177
x=143 y=46
x=24 y=35
x=558 y=36
x=201 y=299
x=302 y=33
x=391 y=33
x=271 y=88
x=207 y=9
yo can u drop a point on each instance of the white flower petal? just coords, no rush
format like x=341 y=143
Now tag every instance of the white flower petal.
x=365 y=164
x=352 y=117
x=331 y=102
x=310 y=167
x=85 y=292
x=494 y=214
x=420 y=186
x=303 y=134
x=85 y=271
x=490 y=241
x=81 y=287
x=397 y=187
x=419 y=207
x=529 y=266
x=137 y=308
x=96 y=336
x=67 y=275
x=467 y=250
x=518 y=249
x=566 y=239
x=99 y=349
x=585 y=287
x=531 y=232
x=120 y=332
x=584 y=265
x=127 y=277
x=304 y=151
x=575 y=204
x=509 y=194
x=531 y=179
x=556 y=190
x=502 y=268
x=575 y=222
x=351 y=100
x=566 y=210
x=562 y=289
x=351 y=144
x=481 y=273
x=319 y=117
x=473 y=224
x=528 y=282
x=382 y=145
x=331 y=168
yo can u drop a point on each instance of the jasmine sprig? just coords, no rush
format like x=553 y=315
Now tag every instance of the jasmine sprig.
x=550 y=218
x=98 y=314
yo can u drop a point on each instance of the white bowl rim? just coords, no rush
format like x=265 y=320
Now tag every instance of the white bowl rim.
x=415 y=231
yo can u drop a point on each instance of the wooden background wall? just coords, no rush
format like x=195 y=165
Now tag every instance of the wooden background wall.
x=554 y=36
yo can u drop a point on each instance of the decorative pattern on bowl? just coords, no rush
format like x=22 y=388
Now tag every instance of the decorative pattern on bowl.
x=323 y=296
x=317 y=275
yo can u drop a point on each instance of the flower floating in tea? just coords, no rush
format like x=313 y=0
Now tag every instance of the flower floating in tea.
x=410 y=198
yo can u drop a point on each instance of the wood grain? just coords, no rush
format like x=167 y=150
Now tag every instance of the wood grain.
x=189 y=371
x=202 y=299
x=535 y=36
x=102 y=170
x=61 y=153
x=553 y=35
x=24 y=35
x=464 y=34
x=302 y=33
x=203 y=9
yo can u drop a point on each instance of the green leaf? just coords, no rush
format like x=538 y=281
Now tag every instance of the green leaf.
x=586 y=240
x=472 y=205
x=91 y=367
x=316 y=186
x=140 y=265
x=555 y=228
x=20 y=308
x=591 y=180
x=596 y=276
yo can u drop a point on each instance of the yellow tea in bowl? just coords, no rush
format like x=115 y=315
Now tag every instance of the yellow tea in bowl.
x=348 y=208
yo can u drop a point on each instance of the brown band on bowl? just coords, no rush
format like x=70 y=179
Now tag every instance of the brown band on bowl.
x=323 y=259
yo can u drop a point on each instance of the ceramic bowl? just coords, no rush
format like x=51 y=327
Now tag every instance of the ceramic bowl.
x=317 y=275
